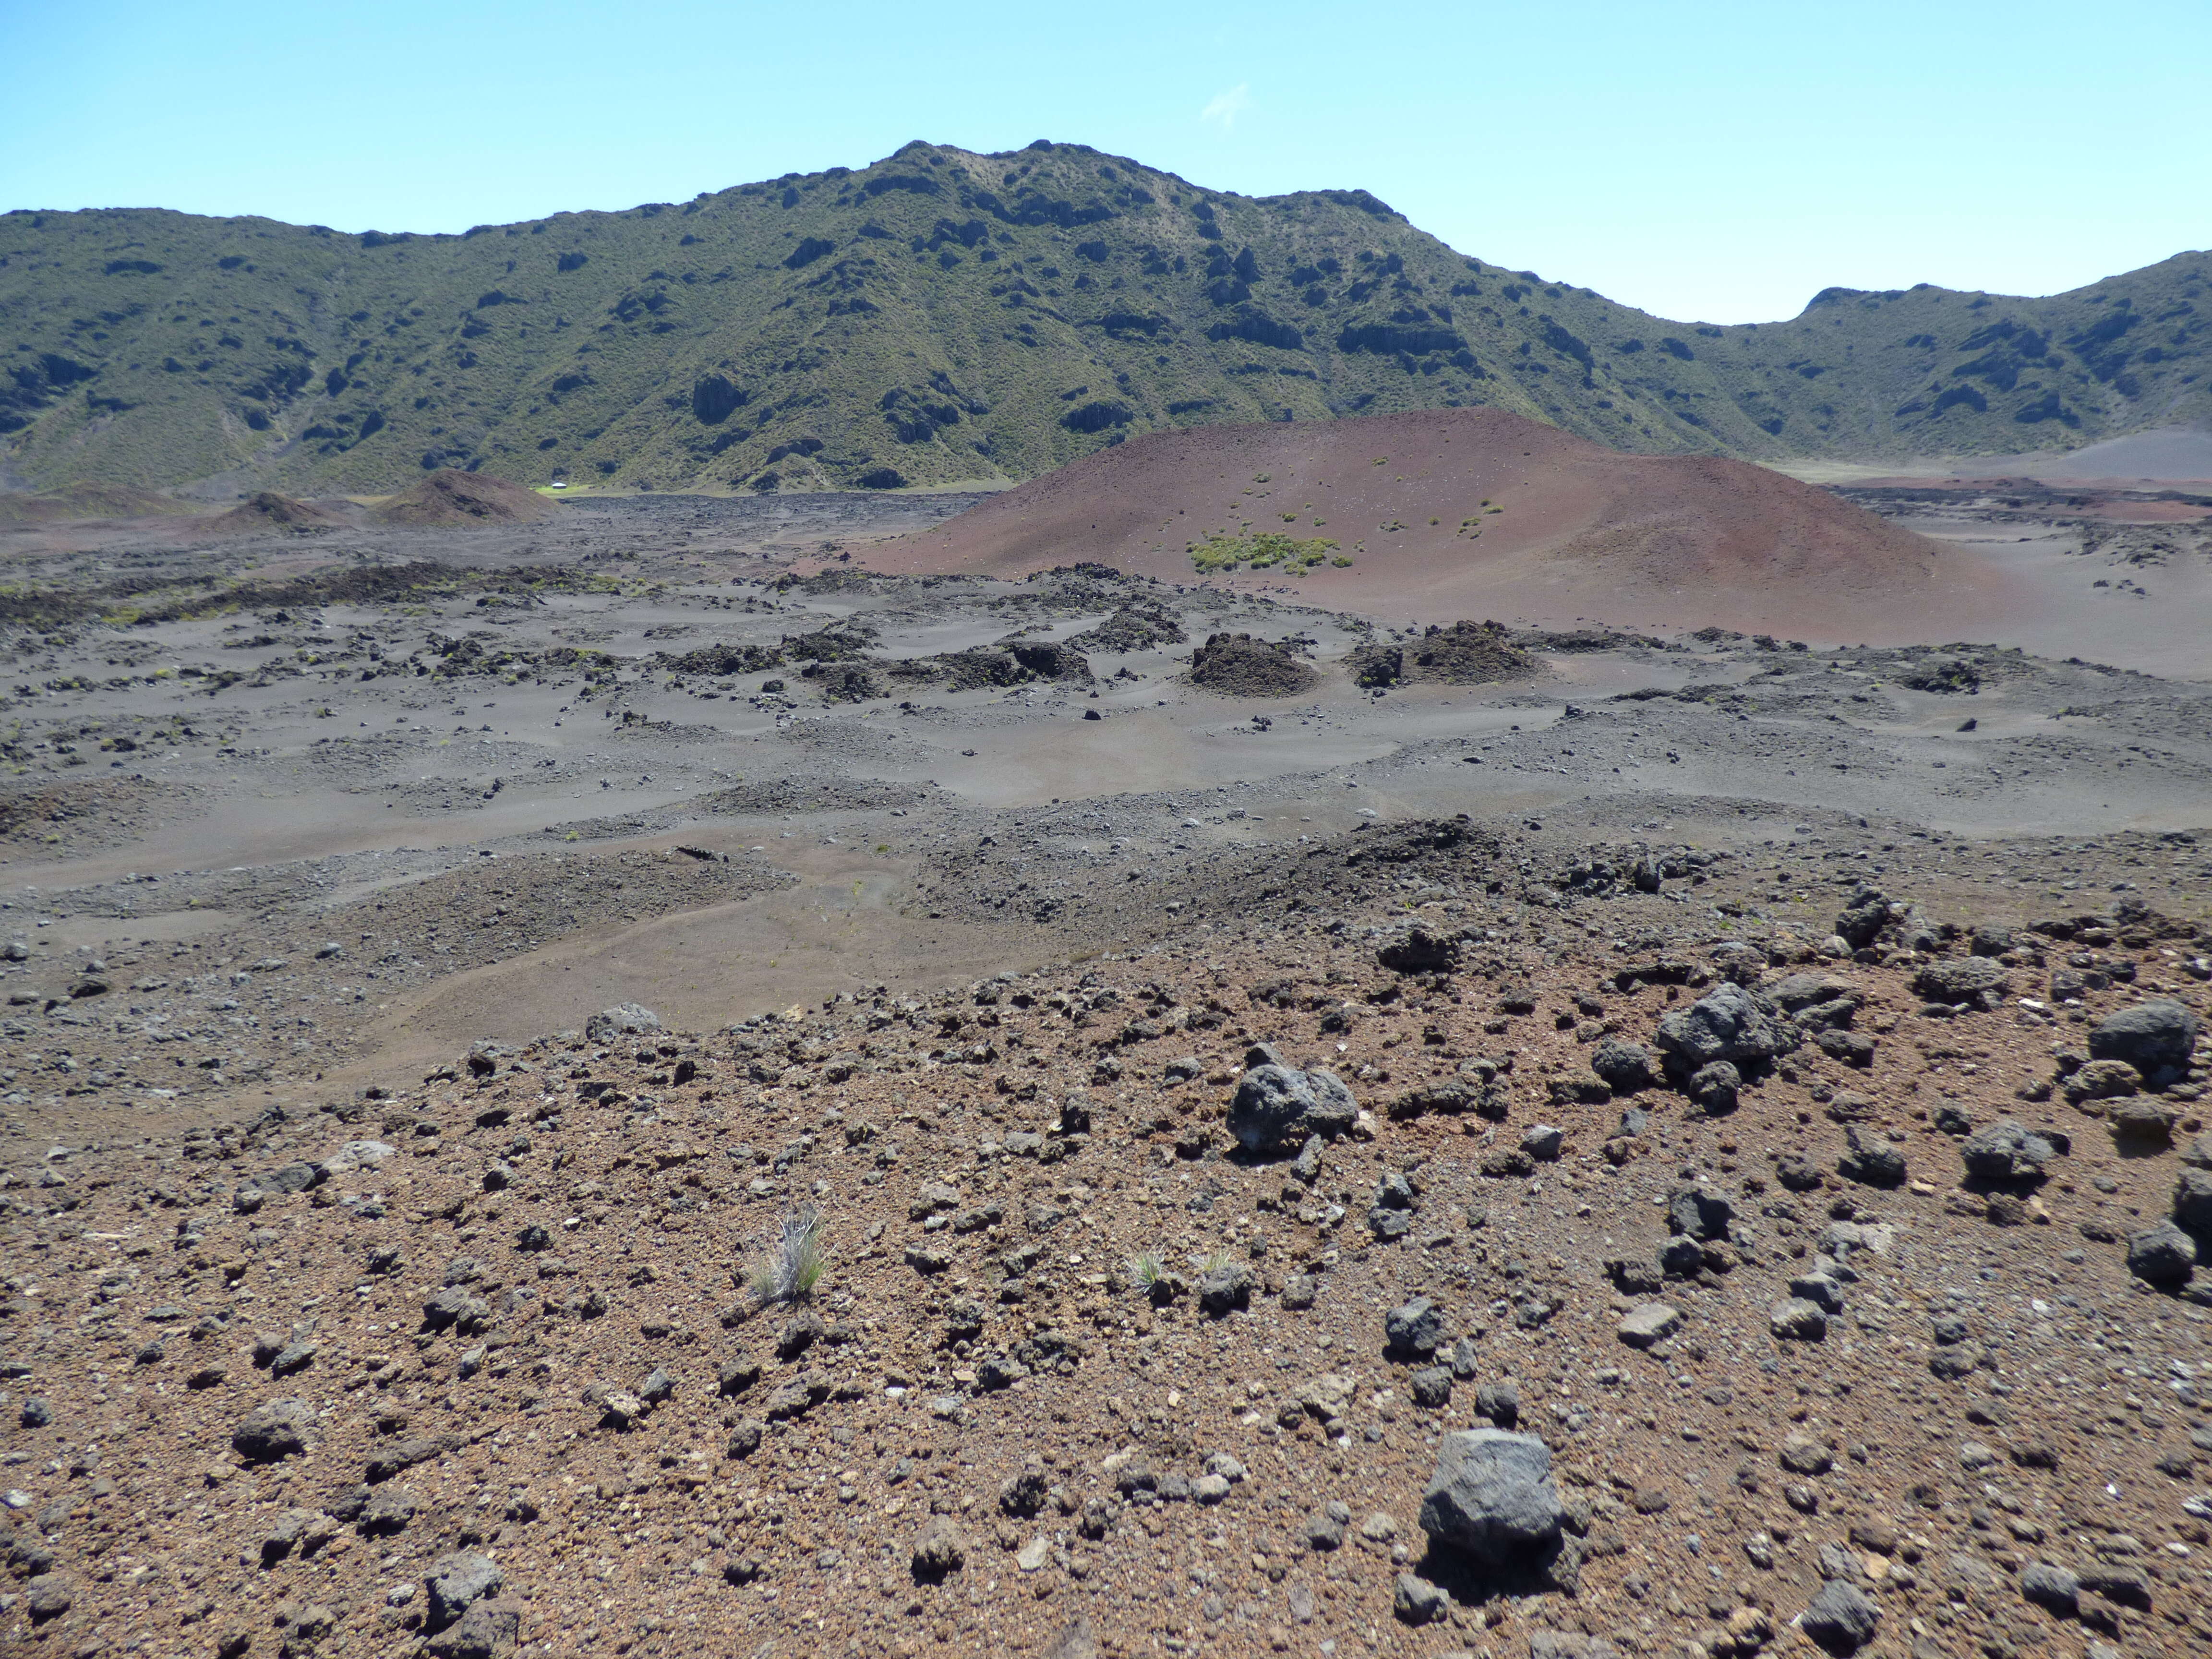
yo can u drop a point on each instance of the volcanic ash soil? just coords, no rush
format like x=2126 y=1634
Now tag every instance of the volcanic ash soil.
x=568 y=1087
x=1891 y=1331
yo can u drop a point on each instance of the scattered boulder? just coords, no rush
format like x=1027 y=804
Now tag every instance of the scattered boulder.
x=2192 y=1200
x=2146 y=1120
x=1413 y=1328
x=1819 y=1289
x=1699 y=1212
x=2151 y=1036
x=2006 y=1152
x=1796 y=1320
x=939 y=1551
x=1729 y=1023
x=1420 y=952
x=457 y=1582
x=1955 y=980
x=1492 y=1496
x=272 y=1432
x=2104 y=1080
x=1415 y=1601
x=1801 y=1453
x=1863 y=917
x=1653 y=1322
x=2056 y=1589
x=48 y=1595
x=1499 y=1401
x=1840 y=1617
x=489 y=1630
x=1325 y=1527
x=1870 y=1163
x=1239 y=666
x=1626 y=1067
x=1795 y=992
x=2163 y=1255
x=1542 y=1143
x=1715 y=1089
x=1276 y=1107
x=1223 y=1288
x=623 y=1019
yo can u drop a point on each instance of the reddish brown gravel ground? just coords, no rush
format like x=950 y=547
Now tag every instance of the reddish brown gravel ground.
x=512 y=1303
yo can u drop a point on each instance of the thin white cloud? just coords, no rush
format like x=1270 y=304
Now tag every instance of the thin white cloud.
x=1228 y=106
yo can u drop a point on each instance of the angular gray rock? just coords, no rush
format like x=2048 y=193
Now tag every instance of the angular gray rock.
x=457 y=1582
x=1543 y=1143
x=1801 y=1453
x=1492 y=1496
x=1224 y=1289
x=487 y=1631
x=276 y=1429
x=1960 y=979
x=1864 y=915
x=1730 y=1023
x=1654 y=1322
x=2163 y=1255
x=48 y=1595
x=1413 y=1327
x=1275 y=1106
x=1430 y=1387
x=2056 y=1589
x=1840 y=1617
x=1798 y=1321
x=2007 y=1151
x=1415 y=1601
x=2150 y=1037
x=1499 y=1401
x=1796 y=991
x=1871 y=1162
x=2192 y=1200
x=1325 y=1527
x=1822 y=1291
x=1699 y=1212
x=623 y=1019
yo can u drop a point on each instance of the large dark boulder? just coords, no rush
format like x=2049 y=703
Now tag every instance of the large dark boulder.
x=1276 y=1107
x=1730 y=1023
x=1492 y=1497
x=2150 y=1037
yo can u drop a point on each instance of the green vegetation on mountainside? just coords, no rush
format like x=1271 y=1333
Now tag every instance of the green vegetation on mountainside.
x=944 y=316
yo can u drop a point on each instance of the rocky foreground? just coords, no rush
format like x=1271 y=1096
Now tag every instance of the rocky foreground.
x=1436 y=1268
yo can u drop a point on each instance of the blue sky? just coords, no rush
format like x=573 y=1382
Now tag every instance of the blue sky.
x=1709 y=162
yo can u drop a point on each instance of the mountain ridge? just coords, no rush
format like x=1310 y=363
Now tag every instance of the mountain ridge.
x=943 y=315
